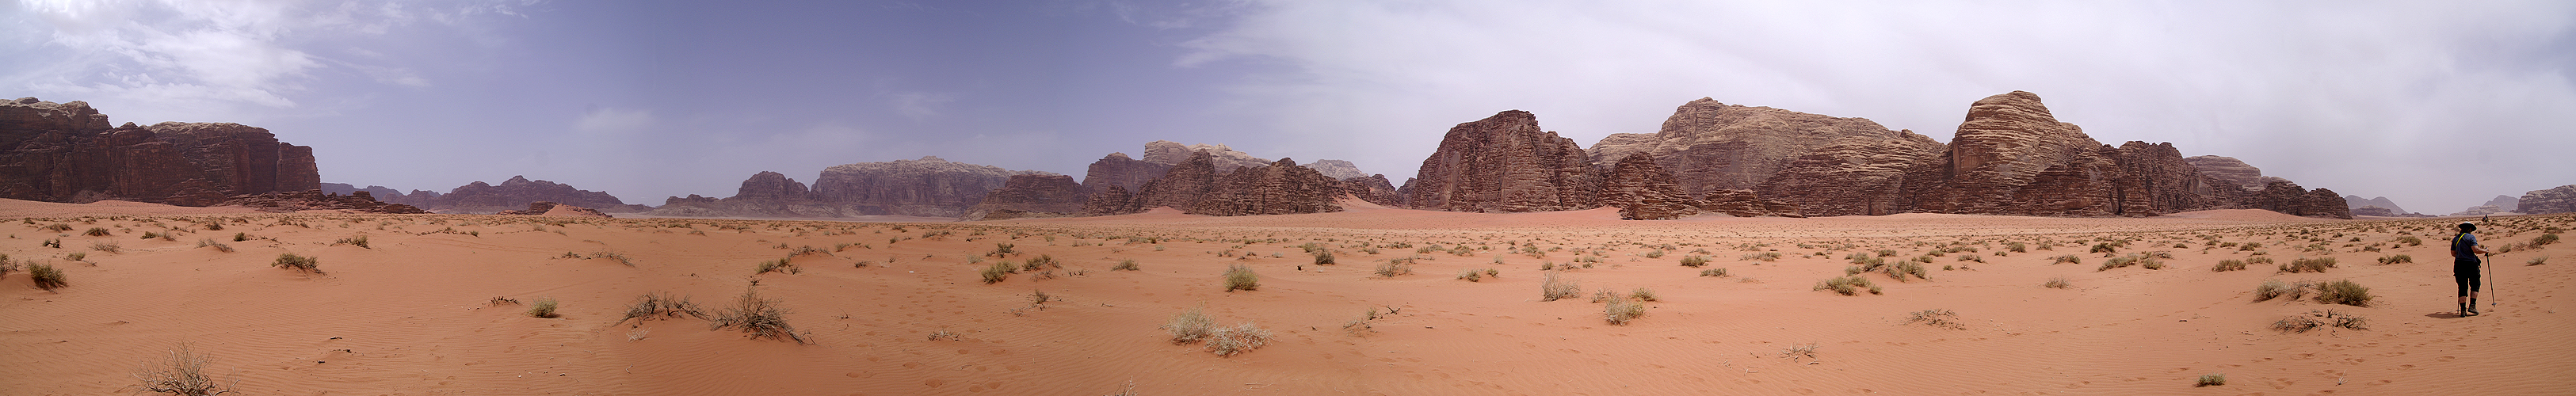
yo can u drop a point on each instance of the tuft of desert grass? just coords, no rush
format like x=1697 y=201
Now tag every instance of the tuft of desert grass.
x=1694 y=260
x=46 y=276
x=1720 y=272
x=1191 y=326
x=303 y=264
x=1554 y=288
x=2537 y=261
x=2065 y=259
x=1240 y=277
x=779 y=265
x=757 y=317
x=1394 y=267
x=1324 y=257
x=2344 y=292
x=2057 y=283
x=359 y=241
x=2228 y=265
x=1847 y=285
x=1124 y=265
x=2215 y=379
x=997 y=272
x=180 y=372
x=2318 y=265
x=2274 y=288
x=1471 y=274
x=1230 y=341
x=219 y=246
x=544 y=308
x=96 y=232
x=1643 y=294
x=1941 y=318
x=2396 y=259
x=1620 y=311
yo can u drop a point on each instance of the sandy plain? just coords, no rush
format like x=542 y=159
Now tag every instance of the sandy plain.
x=411 y=313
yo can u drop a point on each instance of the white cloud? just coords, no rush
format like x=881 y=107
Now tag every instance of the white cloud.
x=204 y=54
x=613 y=121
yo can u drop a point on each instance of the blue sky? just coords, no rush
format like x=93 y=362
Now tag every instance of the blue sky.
x=2437 y=106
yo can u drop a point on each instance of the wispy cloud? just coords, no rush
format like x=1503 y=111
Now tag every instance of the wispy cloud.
x=613 y=121
x=920 y=105
x=207 y=53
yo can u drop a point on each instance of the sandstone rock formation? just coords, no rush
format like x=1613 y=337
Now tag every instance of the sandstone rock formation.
x=1504 y=163
x=542 y=208
x=2357 y=202
x=1855 y=175
x=1281 y=187
x=518 y=192
x=1744 y=203
x=2011 y=157
x=2561 y=199
x=1116 y=169
x=1374 y=189
x=1337 y=169
x=929 y=186
x=765 y=194
x=1031 y=195
x=2374 y=210
x=1716 y=146
x=1109 y=202
x=1173 y=153
x=1184 y=186
x=357 y=202
x=2233 y=171
x=380 y=192
x=1643 y=191
x=2287 y=197
x=2481 y=210
x=68 y=153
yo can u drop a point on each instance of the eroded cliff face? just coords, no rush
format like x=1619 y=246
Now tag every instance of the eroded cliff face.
x=2011 y=157
x=1116 y=169
x=1031 y=195
x=1184 y=186
x=67 y=152
x=1855 y=175
x=1643 y=191
x=1504 y=163
x=2561 y=199
x=929 y=186
x=516 y=193
x=1281 y=187
x=1711 y=146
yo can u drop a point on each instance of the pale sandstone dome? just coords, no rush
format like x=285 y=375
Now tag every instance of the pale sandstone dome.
x=2234 y=171
x=1337 y=169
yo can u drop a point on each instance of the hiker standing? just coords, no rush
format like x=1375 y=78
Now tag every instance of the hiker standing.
x=2464 y=267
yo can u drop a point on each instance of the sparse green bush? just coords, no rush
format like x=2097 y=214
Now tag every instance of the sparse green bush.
x=1763 y=256
x=2104 y=248
x=759 y=317
x=1240 y=277
x=359 y=241
x=2057 y=283
x=1001 y=250
x=2318 y=265
x=46 y=277
x=1694 y=261
x=2210 y=380
x=2228 y=265
x=997 y=272
x=1325 y=257
x=1471 y=275
x=2343 y=292
x=2544 y=239
x=241 y=236
x=2015 y=247
x=2065 y=259
x=544 y=308
x=2396 y=259
x=2274 y=288
x=1900 y=270
x=1643 y=294
x=2538 y=261
x=1654 y=254
x=779 y=265
x=1554 y=288
x=1190 y=326
x=1393 y=267
x=298 y=263
x=2410 y=240
x=1847 y=285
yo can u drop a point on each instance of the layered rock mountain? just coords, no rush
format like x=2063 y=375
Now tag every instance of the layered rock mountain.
x=929 y=186
x=1116 y=169
x=2561 y=199
x=765 y=194
x=1710 y=146
x=68 y=152
x=1857 y=175
x=2232 y=170
x=1226 y=158
x=1644 y=191
x=1191 y=180
x=284 y=202
x=513 y=194
x=1373 y=189
x=1504 y=163
x=1337 y=169
x=1281 y=187
x=1031 y=195
x=2357 y=202
x=347 y=189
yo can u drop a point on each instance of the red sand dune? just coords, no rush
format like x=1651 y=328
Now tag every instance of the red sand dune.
x=410 y=313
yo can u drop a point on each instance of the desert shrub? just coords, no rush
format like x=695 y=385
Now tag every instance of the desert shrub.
x=1847 y=285
x=759 y=317
x=1603 y=295
x=2343 y=292
x=1324 y=257
x=56 y=243
x=997 y=272
x=1240 y=277
x=1620 y=311
x=2210 y=380
x=2303 y=264
x=1763 y=256
x=1125 y=265
x=2248 y=246
x=2410 y=240
x=298 y=263
x=105 y=246
x=2258 y=260
x=1236 y=340
x=779 y=265
x=2544 y=239
x=2104 y=248
x=241 y=236
x=1394 y=267
x=1554 y=288
x=1694 y=261
x=1043 y=261
x=2538 y=260
x=2275 y=288
x=658 y=305
x=1643 y=294
x=1941 y=318
x=2016 y=247
x=46 y=276
x=2066 y=259
x=2057 y=283
x=1471 y=275
x=1654 y=254
x=96 y=232
x=1972 y=257
x=151 y=235
x=58 y=227
x=2396 y=259
x=2228 y=265
x=219 y=246
x=1900 y=270
x=544 y=308
x=359 y=241
x=1001 y=250
x=1713 y=272
x=1190 y=326
x=181 y=372
x=1887 y=253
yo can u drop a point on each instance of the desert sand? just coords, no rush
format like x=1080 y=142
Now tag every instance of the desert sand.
x=900 y=308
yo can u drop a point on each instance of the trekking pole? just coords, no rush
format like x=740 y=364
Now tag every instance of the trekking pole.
x=2489 y=263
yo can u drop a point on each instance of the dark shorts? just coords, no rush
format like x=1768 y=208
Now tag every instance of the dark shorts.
x=2465 y=273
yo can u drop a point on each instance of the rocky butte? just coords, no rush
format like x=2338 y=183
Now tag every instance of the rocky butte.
x=1504 y=163
x=68 y=152
x=513 y=194
x=2555 y=200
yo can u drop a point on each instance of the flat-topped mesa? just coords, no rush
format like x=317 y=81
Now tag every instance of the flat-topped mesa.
x=929 y=186
x=1031 y=195
x=1504 y=163
x=1711 y=146
x=68 y=152
x=2561 y=199
x=483 y=198
x=1226 y=158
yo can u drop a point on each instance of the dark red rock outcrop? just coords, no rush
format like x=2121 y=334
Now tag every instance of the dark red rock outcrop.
x=1374 y=189
x=1030 y=195
x=1109 y=202
x=68 y=153
x=1855 y=176
x=1643 y=191
x=2287 y=197
x=1281 y=187
x=765 y=194
x=518 y=192
x=2555 y=200
x=542 y=208
x=2011 y=157
x=1116 y=169
x=358 y=202
x=1744 y=203
x=1504 y=163
x=929 y=186
x=1711 y=146
x=1184 y=186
